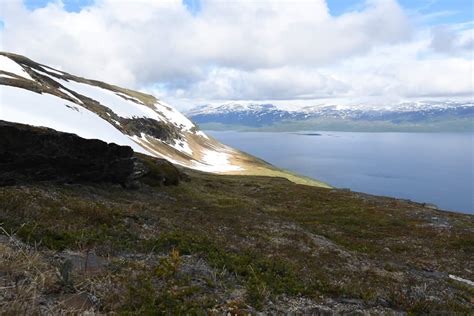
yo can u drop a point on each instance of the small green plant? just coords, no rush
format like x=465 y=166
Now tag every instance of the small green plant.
x=65 y=270
x=168 y=266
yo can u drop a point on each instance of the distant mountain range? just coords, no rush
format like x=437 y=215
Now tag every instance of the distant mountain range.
x=417 y=116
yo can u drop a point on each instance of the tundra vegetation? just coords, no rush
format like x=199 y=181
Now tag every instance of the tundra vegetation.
x=227 y=243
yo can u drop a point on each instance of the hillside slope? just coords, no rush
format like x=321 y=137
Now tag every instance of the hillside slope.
x=72 y=242
x=39 y=95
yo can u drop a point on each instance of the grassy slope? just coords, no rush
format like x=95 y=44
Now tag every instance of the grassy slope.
x=228 y=243
x=270 y=171
x=254 y=166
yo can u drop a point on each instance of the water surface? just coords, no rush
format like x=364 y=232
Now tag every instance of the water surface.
x=424 y=167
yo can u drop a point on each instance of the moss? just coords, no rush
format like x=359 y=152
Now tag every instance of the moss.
x=48 y=238
x=261 y=276
x=158 y=290
x=115 y=238
x=463 y=243
x=160 y=172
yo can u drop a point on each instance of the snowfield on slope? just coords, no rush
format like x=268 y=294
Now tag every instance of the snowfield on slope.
x=6 y=64
x=129 y=107
x=216 y=161
x=118 y=104
x=125 y=108
x=48 y=110
x=27 y=107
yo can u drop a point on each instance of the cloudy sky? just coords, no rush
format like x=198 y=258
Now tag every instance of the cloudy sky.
x=300 y=52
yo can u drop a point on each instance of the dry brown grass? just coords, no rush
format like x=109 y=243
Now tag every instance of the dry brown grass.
x=34 y=282
x=24 y=275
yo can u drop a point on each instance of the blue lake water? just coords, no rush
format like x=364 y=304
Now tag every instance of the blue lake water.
x=424 y=167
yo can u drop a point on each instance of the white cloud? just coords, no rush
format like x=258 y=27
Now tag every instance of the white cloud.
x=453 y=39
x=261 y=84
x=265 y=50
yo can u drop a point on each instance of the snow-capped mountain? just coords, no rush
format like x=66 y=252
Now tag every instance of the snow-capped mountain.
x=257 y=115
x=35 y=94
x=251 y=114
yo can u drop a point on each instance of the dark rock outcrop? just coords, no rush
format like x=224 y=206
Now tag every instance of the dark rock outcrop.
x=160 y=130
x=30 y=154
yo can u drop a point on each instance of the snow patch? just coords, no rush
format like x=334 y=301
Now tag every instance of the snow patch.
x=7 y=64
x=214 y=161
x=469 y=282
x=182 y=146
x=55 y=112
x=6 y=76
x=145 y=143
x=70 y=94
x=174 y=116
x=54 y=71
x=126 y=96
x=202 y=134
x=122 y=107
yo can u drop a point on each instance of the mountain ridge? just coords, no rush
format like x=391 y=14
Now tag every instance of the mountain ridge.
x=95 y=109
x=402 y=116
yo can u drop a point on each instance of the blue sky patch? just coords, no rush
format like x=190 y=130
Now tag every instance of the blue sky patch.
x=442 y=11
x=337 y=7
x=193 y=6
x=69 y=5
x=438 y=11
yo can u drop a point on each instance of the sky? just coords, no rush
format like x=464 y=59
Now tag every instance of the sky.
x=300 y=52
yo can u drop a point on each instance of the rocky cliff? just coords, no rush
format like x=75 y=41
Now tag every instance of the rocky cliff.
x=30 y=154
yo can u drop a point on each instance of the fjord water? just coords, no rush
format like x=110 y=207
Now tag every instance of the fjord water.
x=434 y=168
